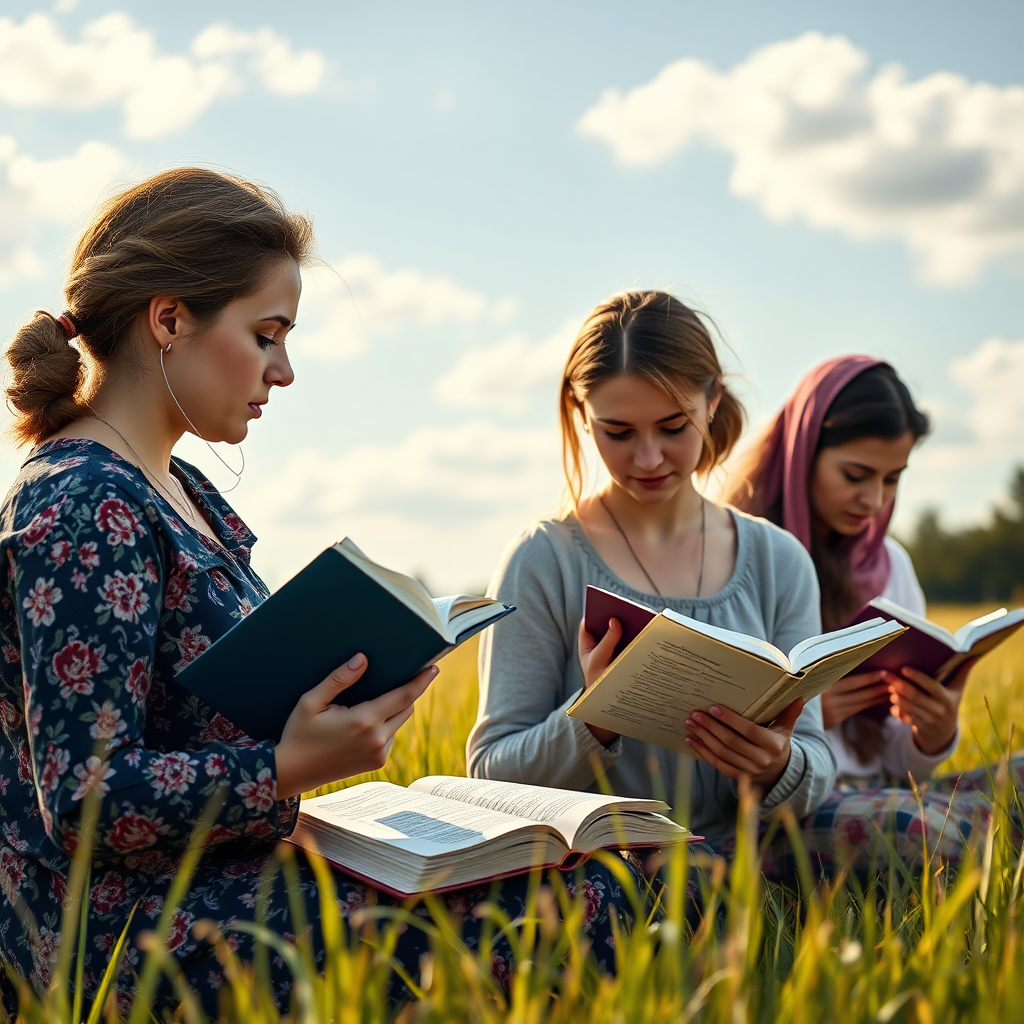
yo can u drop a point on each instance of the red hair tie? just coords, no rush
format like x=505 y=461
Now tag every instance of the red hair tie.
x=67 y=321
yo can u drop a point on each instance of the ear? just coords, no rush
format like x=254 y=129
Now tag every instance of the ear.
x=581 y=411
x=716 y=397
x=167 y=319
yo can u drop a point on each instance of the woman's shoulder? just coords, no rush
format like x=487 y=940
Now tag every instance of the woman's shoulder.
x=767 y=539
x=80 y=479
x=549 y=544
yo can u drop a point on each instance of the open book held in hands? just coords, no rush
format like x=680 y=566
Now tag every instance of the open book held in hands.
x=932 y=649
x=445 y=832
x=672 y=665
x=338 y=605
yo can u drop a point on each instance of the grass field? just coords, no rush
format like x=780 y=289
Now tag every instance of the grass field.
x=919 y=950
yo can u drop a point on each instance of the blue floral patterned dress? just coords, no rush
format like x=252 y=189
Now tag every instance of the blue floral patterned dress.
x=107 y=595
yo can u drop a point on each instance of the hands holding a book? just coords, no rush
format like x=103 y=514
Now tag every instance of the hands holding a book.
x=595 y=657
x=736 y=746
x=929 y=707
x=323 y=742
x=852 y=694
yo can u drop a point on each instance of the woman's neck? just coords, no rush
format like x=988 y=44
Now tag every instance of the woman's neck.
x=131 y=411
x=663 y=520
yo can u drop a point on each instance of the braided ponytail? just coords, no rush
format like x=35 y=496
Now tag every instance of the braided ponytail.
x=46 y=378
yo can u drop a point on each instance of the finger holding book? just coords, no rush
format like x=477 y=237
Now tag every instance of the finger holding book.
x=323 y=741
x=736 y=746
x=851 y=695
x=927 y=706
x=595 y=657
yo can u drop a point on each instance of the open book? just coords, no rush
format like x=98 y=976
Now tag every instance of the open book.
x=339 y=604
x=932 y=649
x=673 y=665
x=445 y=832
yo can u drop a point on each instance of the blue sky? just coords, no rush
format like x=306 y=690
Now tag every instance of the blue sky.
x=483 y=174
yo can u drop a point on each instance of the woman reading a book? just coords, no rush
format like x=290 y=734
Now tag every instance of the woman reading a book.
x=827 y=469
x=123 y=564
x=644 y=382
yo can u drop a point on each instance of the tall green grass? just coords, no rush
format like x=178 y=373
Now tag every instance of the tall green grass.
x=920 y=950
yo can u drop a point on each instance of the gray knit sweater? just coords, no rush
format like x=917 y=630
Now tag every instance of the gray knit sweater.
x=530 y=673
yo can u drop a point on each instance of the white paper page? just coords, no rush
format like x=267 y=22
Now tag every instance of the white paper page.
x=564 y=809
x=807 y=652
x=741 y=641
x=968 y=635
x=421 y=823
x=410 y=592
x=908 y=618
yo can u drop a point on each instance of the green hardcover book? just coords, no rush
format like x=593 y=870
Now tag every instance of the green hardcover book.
x=339 y=604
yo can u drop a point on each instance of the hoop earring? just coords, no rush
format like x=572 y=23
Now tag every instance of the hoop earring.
x=237 y=474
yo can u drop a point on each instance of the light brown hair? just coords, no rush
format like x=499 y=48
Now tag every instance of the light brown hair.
x=199 y=236
x=653 y=336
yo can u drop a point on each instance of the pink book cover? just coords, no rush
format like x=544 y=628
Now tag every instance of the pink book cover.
x=602 y=605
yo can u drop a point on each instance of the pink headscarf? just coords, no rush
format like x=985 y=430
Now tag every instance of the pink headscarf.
x=792 y=442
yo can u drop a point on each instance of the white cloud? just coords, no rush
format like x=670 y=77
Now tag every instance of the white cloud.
x=443 y=500
x=34 y=193
x=345 y=305
x=116 y=62
x=993 y=376
x=505 y=375
x=937 y=162
x=979 y=436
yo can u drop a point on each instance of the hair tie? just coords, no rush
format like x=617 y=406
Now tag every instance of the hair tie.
x=67 y=321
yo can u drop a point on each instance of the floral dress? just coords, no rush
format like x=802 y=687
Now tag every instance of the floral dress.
x=107 y=595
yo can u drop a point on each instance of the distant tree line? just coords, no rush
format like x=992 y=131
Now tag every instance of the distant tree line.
x=982 y=563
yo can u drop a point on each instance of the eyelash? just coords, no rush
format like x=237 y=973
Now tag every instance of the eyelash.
x=623 y=434
x=861 y=479
x=264 y=341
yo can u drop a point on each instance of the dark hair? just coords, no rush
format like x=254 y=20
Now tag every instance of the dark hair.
x=651 y=335
x=202 y=237
x=876 y=403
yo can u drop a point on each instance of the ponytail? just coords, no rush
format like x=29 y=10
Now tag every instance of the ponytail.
x=199 y=236
x=46 y=378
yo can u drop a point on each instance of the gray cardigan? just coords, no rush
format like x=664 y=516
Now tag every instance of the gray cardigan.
x=530 y=673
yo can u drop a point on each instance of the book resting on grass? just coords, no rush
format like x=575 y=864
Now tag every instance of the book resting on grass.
x=931 y=649
x=445 y=832
x=669 y=665
x=338 y=605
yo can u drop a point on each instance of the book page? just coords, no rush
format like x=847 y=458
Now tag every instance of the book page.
x=668 y=671
x=807 y=652
x=908 y=618
x=821 y=675
x=741 y=641
x=419 y=822
x=410 y=592
x=979 y=629
x=566 y=810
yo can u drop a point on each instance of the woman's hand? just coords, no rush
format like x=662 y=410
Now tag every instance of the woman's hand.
x=851 y=695
x=736 y=746
x=595 y=657
x=323 y=742
x=927 y=706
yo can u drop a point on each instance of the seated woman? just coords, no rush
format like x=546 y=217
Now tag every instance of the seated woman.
x=827 y=469
x=643 y=379
x=123 y=564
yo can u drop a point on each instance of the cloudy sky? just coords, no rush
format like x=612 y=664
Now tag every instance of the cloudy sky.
x=820 y=178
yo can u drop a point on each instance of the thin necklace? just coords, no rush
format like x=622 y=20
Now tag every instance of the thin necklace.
x=181 y=504
x=636 y=557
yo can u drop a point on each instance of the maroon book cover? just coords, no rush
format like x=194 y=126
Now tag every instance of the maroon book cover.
x=602 y=605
